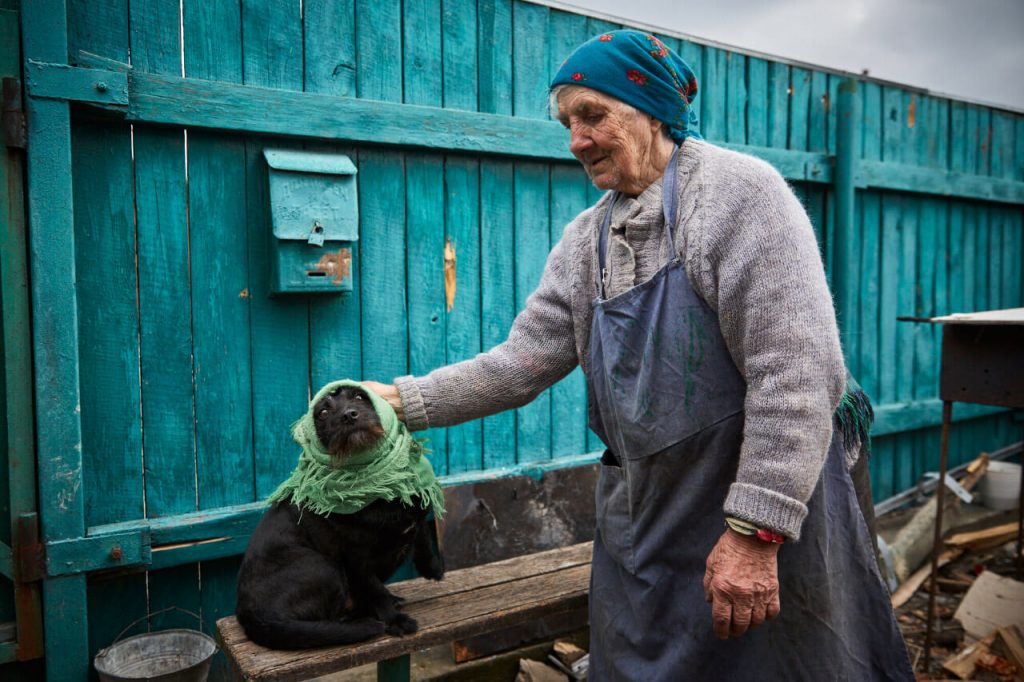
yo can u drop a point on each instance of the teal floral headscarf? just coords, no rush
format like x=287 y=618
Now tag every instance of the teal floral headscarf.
x=640 y=70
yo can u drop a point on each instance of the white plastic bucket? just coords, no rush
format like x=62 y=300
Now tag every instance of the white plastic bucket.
x=1000 y=486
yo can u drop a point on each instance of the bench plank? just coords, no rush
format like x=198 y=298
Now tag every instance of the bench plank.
x=467 y=602
x=494 y=573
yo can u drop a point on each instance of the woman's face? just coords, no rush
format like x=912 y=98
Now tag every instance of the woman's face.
x=613 y=141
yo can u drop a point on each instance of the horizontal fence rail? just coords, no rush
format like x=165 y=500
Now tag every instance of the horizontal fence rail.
x=193 y=102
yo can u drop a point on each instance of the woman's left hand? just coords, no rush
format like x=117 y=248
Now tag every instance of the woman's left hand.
x=741 y=583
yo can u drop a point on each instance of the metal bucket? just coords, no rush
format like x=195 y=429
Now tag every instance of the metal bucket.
x=163 y=656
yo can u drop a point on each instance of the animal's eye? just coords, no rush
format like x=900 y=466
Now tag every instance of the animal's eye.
x=323 y=411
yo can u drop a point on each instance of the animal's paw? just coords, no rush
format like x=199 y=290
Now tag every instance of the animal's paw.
x=366 y=628
x=433 y=569
x=397 y=601
x=401 y=624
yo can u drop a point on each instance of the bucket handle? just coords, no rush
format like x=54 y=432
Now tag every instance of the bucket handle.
x=157 y=613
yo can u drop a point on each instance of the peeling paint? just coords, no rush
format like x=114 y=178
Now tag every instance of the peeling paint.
x=244 y=293
x=71 y=480
x=449 y=273
x=912 y=112
x=336 y=264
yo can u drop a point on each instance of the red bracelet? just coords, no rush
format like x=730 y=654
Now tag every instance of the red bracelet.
x=768 y=536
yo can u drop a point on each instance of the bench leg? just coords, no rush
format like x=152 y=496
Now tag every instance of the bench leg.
x=393 y=670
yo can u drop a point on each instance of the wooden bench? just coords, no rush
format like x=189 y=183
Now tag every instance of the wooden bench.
x=468 y=602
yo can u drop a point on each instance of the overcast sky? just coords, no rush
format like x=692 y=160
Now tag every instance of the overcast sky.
x=968 y=48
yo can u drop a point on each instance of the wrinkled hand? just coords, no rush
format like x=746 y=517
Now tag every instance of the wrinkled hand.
x=741 y=583
x=389 y=393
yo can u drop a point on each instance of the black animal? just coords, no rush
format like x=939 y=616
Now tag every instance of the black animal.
x=309 y=580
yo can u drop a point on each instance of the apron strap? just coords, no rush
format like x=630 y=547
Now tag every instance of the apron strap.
x=602 y=241
x=668 y=202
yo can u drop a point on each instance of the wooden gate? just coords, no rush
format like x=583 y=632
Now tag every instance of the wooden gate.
x=166 y=376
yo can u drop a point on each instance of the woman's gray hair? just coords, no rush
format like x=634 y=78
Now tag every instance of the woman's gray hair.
x=553 y=99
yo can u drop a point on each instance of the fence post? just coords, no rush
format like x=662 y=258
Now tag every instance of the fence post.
x=845 y=250
x=55 y=341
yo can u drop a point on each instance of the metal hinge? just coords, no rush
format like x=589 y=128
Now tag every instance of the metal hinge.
x=29 y=552
x=13 y=114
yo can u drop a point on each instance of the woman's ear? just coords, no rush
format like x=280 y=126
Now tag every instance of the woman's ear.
x=658 y=127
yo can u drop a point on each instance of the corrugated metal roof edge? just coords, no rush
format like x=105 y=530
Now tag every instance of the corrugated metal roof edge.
x=567 y=7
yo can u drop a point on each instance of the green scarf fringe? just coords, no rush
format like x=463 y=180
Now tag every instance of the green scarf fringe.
x=396 y=468
x=855 y=416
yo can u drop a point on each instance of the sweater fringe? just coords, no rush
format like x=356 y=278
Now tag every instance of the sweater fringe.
x=855 y=416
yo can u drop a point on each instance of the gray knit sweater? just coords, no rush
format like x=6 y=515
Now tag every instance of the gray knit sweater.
x=750 y=253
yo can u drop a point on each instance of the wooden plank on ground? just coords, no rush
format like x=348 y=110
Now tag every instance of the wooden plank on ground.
x=1012 y=641
x=491 y=597
x=909 y=586
x=986 y=538
x=964 y=662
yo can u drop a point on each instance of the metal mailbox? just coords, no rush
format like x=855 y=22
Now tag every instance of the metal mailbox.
x=314 y=211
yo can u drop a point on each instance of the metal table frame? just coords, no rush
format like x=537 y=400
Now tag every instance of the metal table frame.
x=982 y=362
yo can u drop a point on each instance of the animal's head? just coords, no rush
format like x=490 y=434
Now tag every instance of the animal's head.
x=346 y=421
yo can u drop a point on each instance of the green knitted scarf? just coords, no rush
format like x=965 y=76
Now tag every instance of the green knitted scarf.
x=394 y=468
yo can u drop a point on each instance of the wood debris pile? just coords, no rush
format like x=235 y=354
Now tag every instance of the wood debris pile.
x=565 y=662
x=978 y=627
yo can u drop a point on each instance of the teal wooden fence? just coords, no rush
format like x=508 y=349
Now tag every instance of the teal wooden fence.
x=166 y=377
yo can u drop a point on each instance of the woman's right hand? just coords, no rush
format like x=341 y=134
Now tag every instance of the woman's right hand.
x=389 y=393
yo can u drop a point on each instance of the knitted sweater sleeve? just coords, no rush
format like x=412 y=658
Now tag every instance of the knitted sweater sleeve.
x=540 y=350
x=761 y=271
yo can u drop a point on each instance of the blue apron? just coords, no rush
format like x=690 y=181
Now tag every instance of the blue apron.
x=667 y=400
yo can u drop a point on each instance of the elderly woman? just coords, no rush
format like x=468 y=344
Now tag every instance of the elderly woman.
x=694 y=297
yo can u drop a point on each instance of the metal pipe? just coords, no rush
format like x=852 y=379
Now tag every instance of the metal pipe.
x=845 y=250
x=1020 y=528
x=947 y=417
